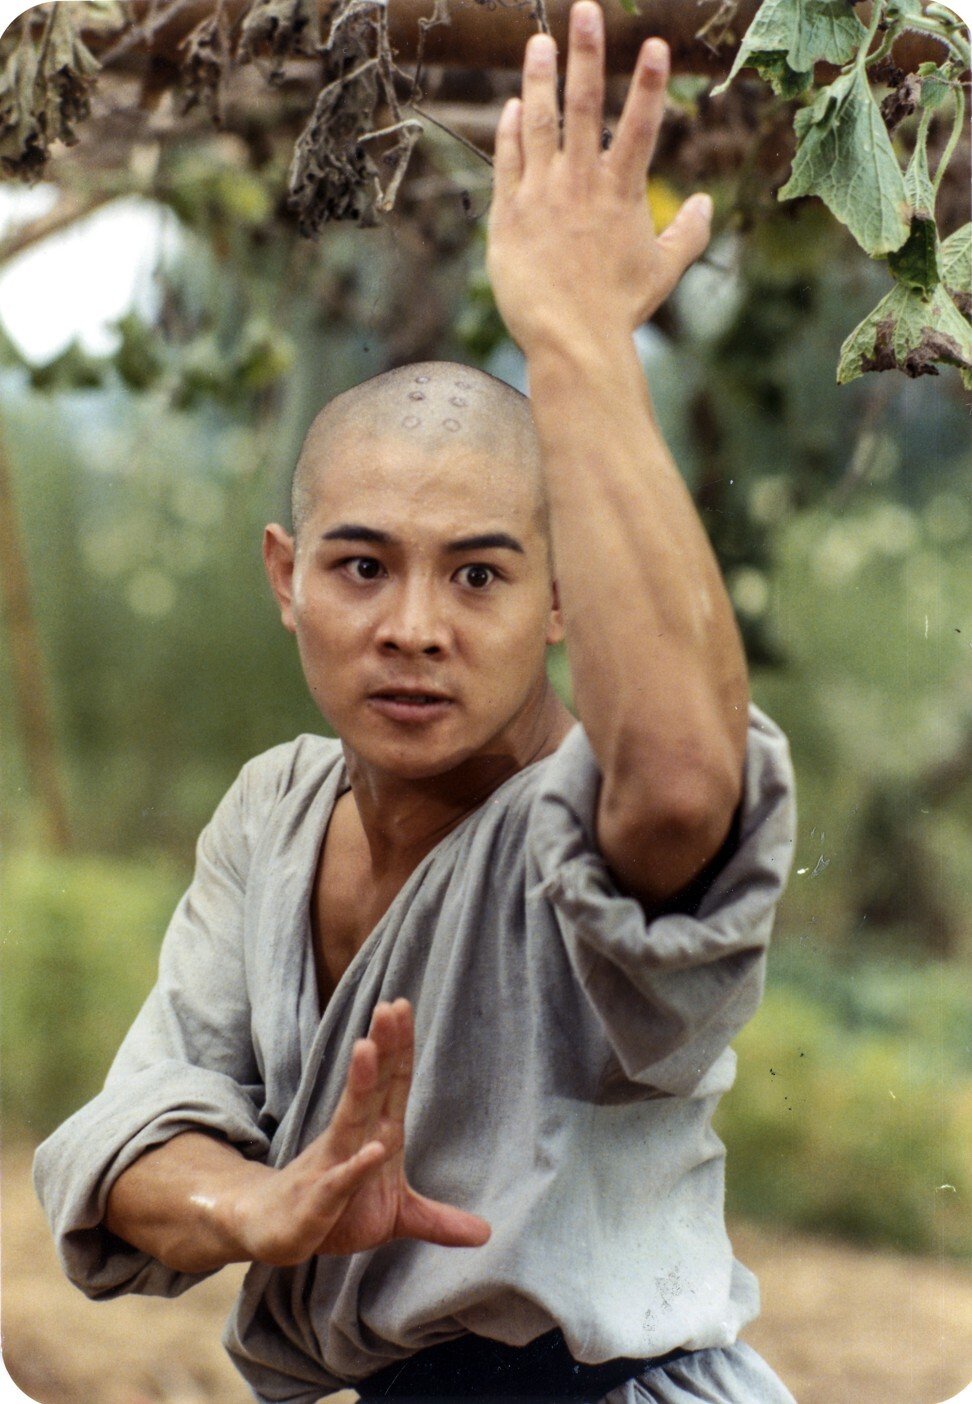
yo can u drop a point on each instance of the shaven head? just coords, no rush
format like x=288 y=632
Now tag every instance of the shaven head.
x=437 y=404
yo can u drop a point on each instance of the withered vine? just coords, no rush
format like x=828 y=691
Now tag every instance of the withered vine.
x=862 y=125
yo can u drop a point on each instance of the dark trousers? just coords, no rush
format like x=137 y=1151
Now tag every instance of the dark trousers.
x=472 y=1367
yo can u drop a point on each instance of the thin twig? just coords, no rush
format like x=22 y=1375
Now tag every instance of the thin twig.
x=457 y=136
x=540 y=15
x=406 y=125
x=156 y=16
x=958 y=123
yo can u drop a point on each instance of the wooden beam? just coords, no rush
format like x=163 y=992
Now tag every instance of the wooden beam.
x=482 y=35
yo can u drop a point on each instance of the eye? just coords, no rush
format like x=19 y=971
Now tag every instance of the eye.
x=362 y=567
x=477 y=577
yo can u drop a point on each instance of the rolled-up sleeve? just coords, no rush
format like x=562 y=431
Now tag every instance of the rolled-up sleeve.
x=187 y=1063
x=673 y=990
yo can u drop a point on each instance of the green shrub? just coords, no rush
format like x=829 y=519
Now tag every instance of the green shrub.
x=80 y=945
x=842 y=1127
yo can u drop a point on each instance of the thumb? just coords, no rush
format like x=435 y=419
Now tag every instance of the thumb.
x=685 y=239
x=435 y=1222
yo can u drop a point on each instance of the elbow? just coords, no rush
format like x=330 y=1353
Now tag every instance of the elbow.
x=662 y=836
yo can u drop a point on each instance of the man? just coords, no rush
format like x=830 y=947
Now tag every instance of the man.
x=442 y=1020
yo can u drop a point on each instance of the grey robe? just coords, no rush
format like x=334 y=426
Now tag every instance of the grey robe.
x=570 y=1055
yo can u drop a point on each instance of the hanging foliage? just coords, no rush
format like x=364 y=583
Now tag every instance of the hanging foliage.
x=45 y=79
x=846 y=157
x=863 y=133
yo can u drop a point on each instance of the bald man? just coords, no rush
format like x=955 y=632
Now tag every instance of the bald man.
x=443 y=1018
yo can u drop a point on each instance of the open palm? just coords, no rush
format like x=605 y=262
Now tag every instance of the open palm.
x=347 y=1191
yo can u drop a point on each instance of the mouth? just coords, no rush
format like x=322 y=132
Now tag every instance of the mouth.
x=410 y=704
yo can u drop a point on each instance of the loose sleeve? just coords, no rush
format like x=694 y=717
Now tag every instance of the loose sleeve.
x=186 y=1064
x=673 y=990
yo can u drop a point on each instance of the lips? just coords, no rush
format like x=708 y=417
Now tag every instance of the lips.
x=410 y=705
x=417 y=696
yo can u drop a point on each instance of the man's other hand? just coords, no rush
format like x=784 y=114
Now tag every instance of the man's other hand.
x=572 y=249
x=347 y=1191
x=196 y=1203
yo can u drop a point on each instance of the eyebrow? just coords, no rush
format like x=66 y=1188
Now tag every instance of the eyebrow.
x=485 y=541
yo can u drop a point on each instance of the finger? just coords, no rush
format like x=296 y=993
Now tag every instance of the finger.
x=354 y=1119
x=507 y=151
x=684 y=239
x=396 y=1098
x=343 y=1179
x=641 y=118
x=385 y=1036
x=584 y=88
x=539 y=132
x=439 y=1223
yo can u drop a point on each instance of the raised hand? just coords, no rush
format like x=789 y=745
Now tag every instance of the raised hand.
x=347 y=1191
x=571 y=243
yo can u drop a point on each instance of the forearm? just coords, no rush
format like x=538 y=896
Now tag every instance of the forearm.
x=176 y=1202
x=657 y=663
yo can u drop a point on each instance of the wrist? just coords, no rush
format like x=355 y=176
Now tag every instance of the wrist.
x=226 y=1212
x=579 y=342
x=600 y=372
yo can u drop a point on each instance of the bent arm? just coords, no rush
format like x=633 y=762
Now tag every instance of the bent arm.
x=657 y=665
x=196 y=1204
x=176 y=1203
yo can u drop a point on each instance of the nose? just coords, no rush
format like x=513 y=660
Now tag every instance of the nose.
x=413 y=624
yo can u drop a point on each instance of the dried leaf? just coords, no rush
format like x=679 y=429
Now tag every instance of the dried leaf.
x=844 y=156
x=279 y=29
x=23 y=147
x=910 y=333
x=44 y=88
x=902 y=102
x=787 y=37
x=206 y=63
x=331 y=175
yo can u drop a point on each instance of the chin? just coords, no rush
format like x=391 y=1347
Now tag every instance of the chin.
x=414 y=755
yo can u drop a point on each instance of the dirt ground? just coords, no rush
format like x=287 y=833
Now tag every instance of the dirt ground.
x=840 y=1325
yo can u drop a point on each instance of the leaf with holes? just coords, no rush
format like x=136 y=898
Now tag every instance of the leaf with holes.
x=910 y=333
x=844 y=156
x=787 y=37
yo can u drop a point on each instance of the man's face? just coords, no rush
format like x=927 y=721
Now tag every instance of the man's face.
x=422 y=601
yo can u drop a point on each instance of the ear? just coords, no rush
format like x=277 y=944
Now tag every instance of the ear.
x=555 y=626
x=278 y=559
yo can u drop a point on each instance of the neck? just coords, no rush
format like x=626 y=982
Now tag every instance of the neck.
x=403 y=819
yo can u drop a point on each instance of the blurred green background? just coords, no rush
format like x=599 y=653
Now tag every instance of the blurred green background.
x=141 y=477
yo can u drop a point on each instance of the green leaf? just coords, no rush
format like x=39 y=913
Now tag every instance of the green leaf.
x=957 y=260
x=915 y=264
x=784 y=80
x=844 y=155
x=936 y=86
x=910 y=333
x=919 y=191
x=795 y=34
x=903 y=10
x=955 y=257
x=74 y=368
